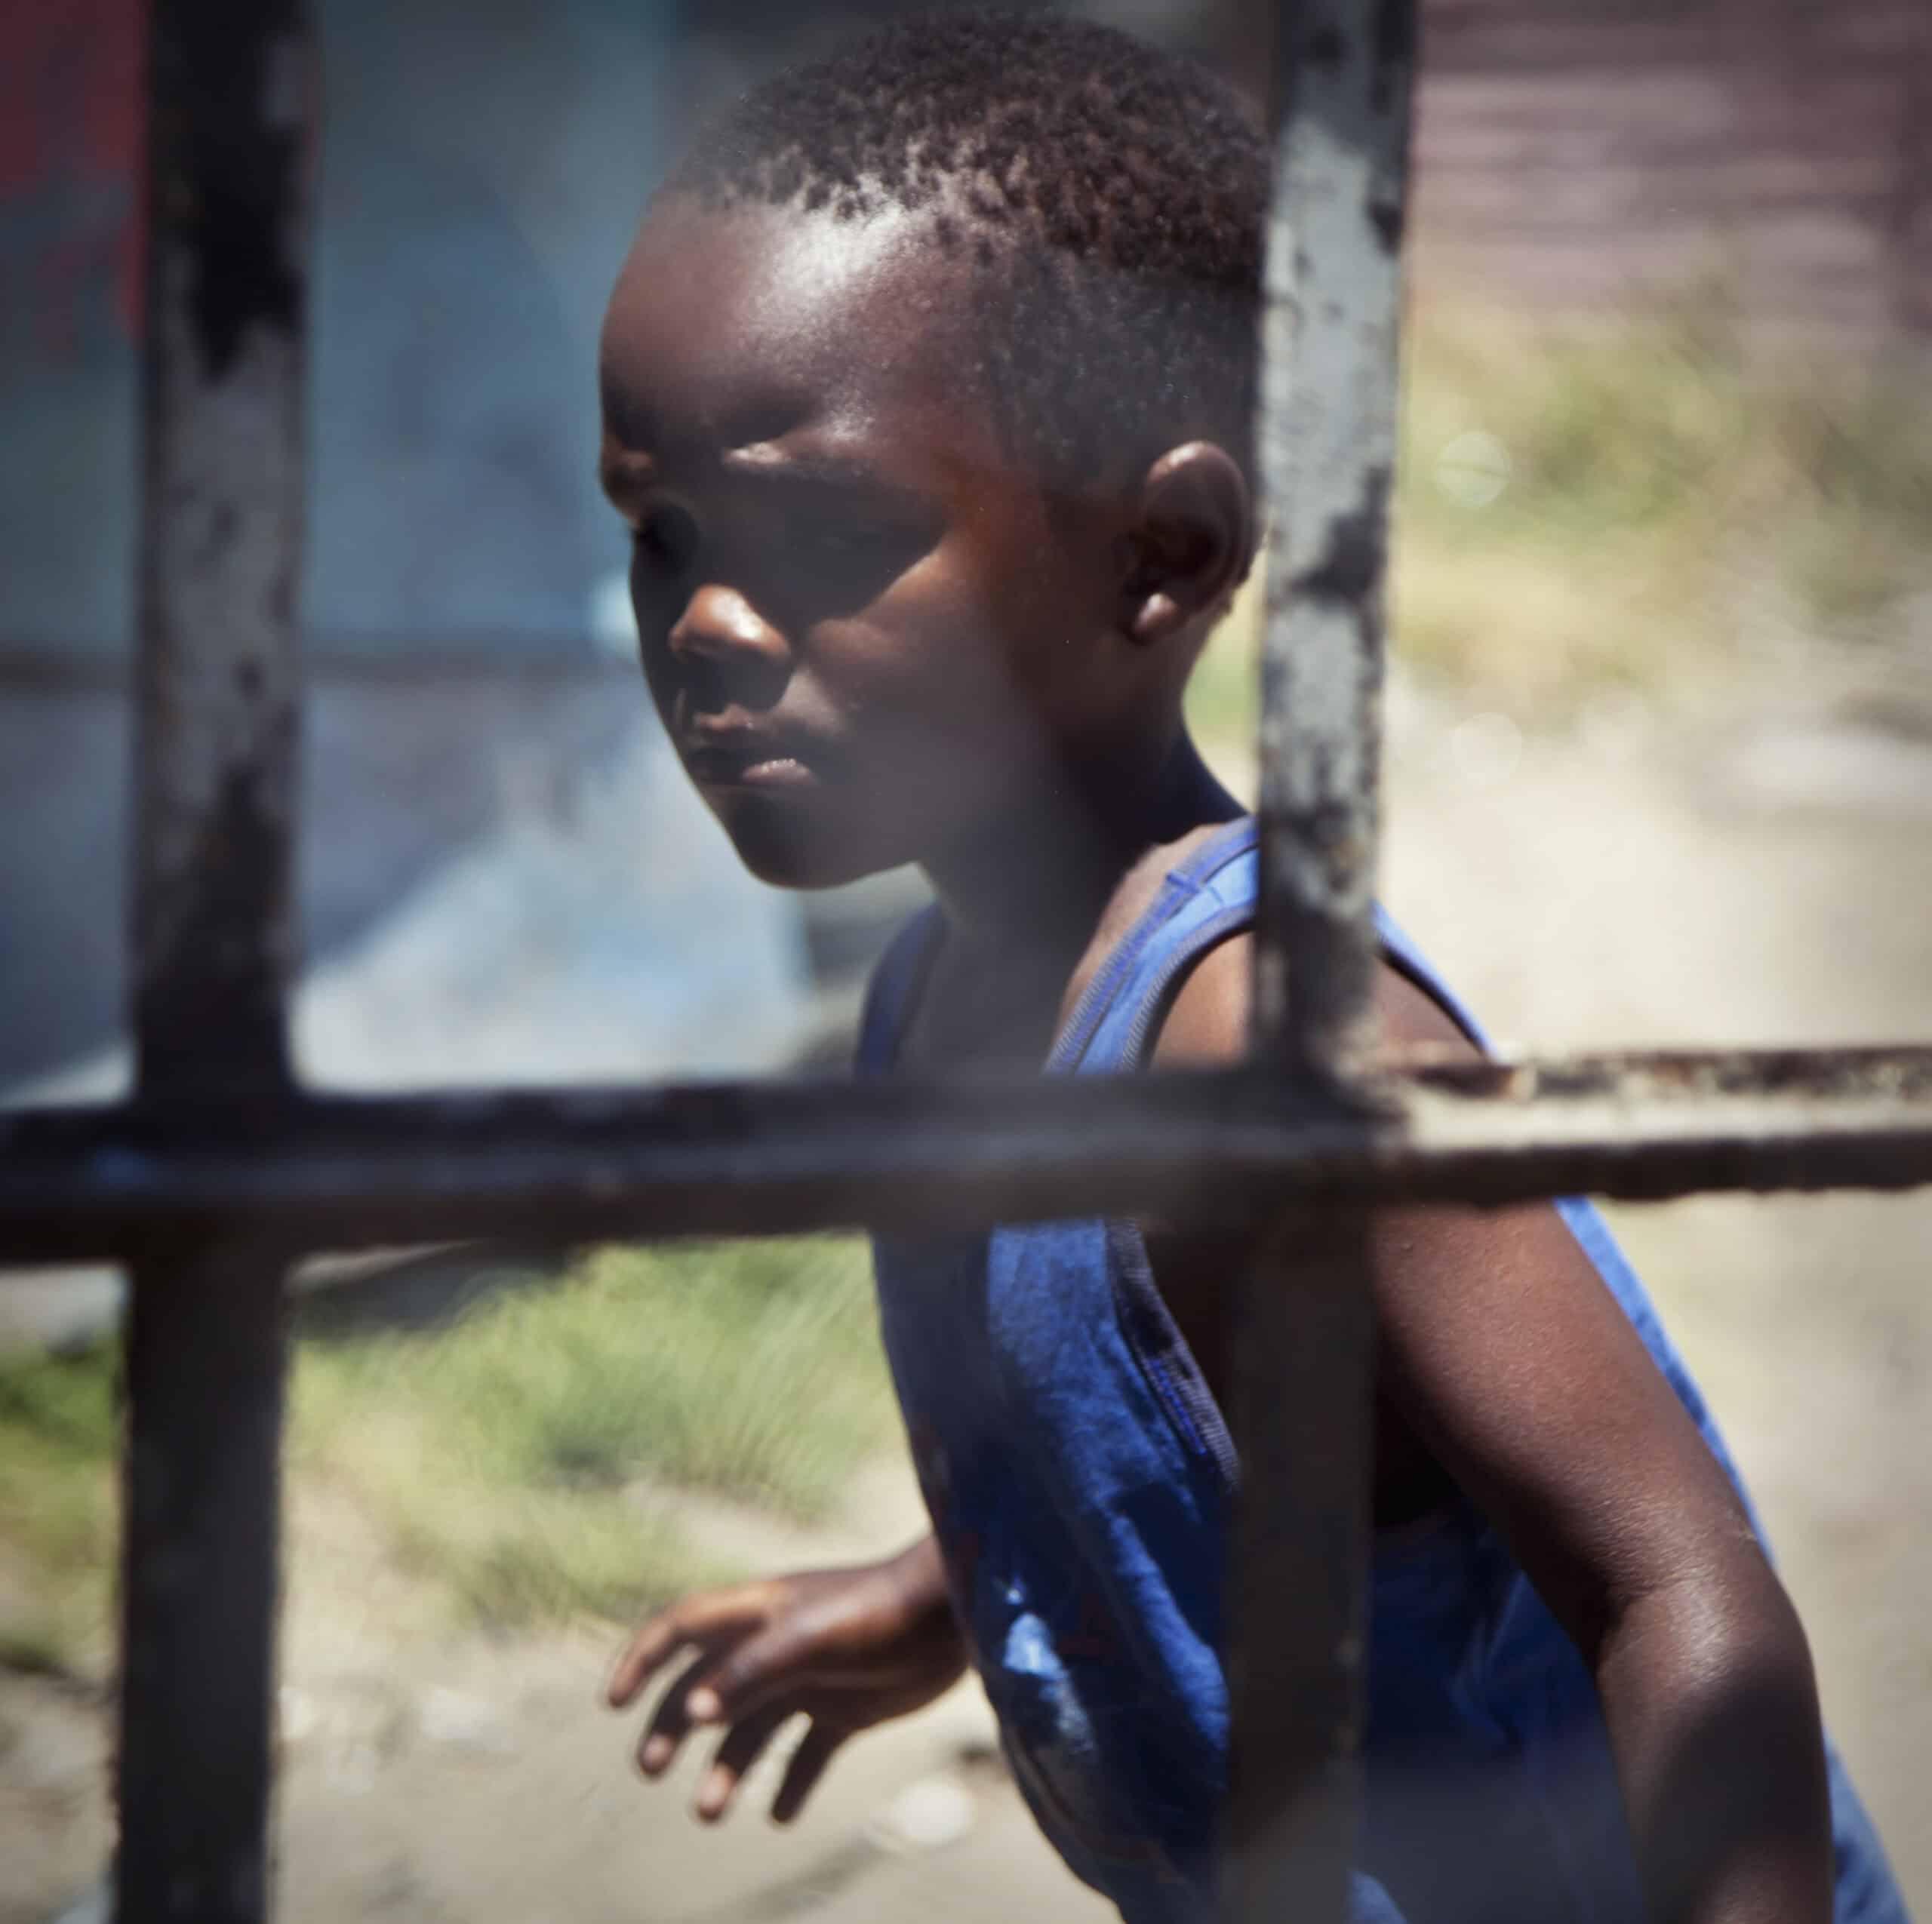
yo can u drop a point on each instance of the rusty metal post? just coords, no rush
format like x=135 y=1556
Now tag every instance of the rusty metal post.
x=1301 y=1370
x=230 y=102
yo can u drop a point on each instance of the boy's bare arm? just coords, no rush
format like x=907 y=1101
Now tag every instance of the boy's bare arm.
x=1499 y=1346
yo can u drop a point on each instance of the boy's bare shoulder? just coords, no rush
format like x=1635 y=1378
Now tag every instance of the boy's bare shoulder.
x=1207 y=1020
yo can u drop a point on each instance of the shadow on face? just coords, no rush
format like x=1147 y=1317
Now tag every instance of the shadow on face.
x=873 y=629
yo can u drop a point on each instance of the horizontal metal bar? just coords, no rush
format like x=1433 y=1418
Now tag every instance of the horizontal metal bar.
x=329 y=1172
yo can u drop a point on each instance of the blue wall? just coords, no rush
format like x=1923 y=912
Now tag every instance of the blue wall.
x=485 y=160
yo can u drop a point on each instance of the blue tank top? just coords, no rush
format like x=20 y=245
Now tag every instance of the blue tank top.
x=1078 y=1472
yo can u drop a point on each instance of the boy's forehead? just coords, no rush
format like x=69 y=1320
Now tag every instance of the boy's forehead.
x=739 y=318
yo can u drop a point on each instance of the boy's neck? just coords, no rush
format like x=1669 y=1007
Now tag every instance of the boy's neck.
x=1030 y=892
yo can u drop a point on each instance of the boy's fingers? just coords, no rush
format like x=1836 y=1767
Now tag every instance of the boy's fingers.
x=700 y=1620
x=806 y=1768
x=744 y=1744
x=670 y=1722
x=655 y=1640
x=747 y=1676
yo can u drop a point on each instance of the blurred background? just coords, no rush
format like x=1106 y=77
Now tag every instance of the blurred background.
x=1659 y=735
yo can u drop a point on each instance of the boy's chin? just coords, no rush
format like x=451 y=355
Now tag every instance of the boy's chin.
x=785 y=856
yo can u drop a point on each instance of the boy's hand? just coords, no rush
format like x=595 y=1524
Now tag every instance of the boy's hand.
x=849 y=1648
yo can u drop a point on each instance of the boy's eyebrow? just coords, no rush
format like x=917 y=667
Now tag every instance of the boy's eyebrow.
x=623 y=471
x=825 y=470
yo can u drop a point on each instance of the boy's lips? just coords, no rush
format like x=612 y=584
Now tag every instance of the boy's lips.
x=745 y=759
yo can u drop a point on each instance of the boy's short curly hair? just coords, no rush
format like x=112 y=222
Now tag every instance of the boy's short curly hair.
x=1114 y=197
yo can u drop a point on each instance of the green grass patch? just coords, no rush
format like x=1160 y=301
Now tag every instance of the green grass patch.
x=502 y=1454
x=57 y=1509
x=507 y=1455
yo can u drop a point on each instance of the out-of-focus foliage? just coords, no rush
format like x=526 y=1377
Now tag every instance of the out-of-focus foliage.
x=57 y=1432
x=528 y=1458
x=516 y=1456
x=1640 y=502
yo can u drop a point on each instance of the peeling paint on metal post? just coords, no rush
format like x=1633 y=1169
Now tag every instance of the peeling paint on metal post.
x=1327 y=441
x=230 y=102
x=222 y=504
x=1301 y=1368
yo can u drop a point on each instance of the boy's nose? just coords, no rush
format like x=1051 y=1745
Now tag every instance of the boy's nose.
x=718 y=621
x=723 y=641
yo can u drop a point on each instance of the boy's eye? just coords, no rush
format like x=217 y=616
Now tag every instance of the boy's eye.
x=852 y=547
x=851 y=538
x=666 y=540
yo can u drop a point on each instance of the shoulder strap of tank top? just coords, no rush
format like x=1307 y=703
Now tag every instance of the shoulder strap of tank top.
x=1230 y=853
x=1111 y=1023
x=899 y=972
x=894 y=982
x=1149 y=971
x=1402 y=955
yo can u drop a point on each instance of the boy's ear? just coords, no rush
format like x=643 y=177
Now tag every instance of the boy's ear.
x=1192 y=532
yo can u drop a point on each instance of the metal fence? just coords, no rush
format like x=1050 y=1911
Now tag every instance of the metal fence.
x=220 y=1172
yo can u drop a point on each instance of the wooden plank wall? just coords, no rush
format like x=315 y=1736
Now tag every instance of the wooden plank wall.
x=1592 y=153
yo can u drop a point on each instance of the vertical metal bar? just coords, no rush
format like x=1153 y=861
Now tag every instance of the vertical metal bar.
x=1327 y=460
x=1301 y=1370
x=229 y=94
x=223 y=393
x=204 y=1370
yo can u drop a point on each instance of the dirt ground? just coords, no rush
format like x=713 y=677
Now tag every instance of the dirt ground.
x=1760 y=876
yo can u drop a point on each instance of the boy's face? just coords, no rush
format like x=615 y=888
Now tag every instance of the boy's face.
x=871 y=634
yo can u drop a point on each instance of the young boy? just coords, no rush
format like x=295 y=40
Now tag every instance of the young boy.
x=927 y=387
